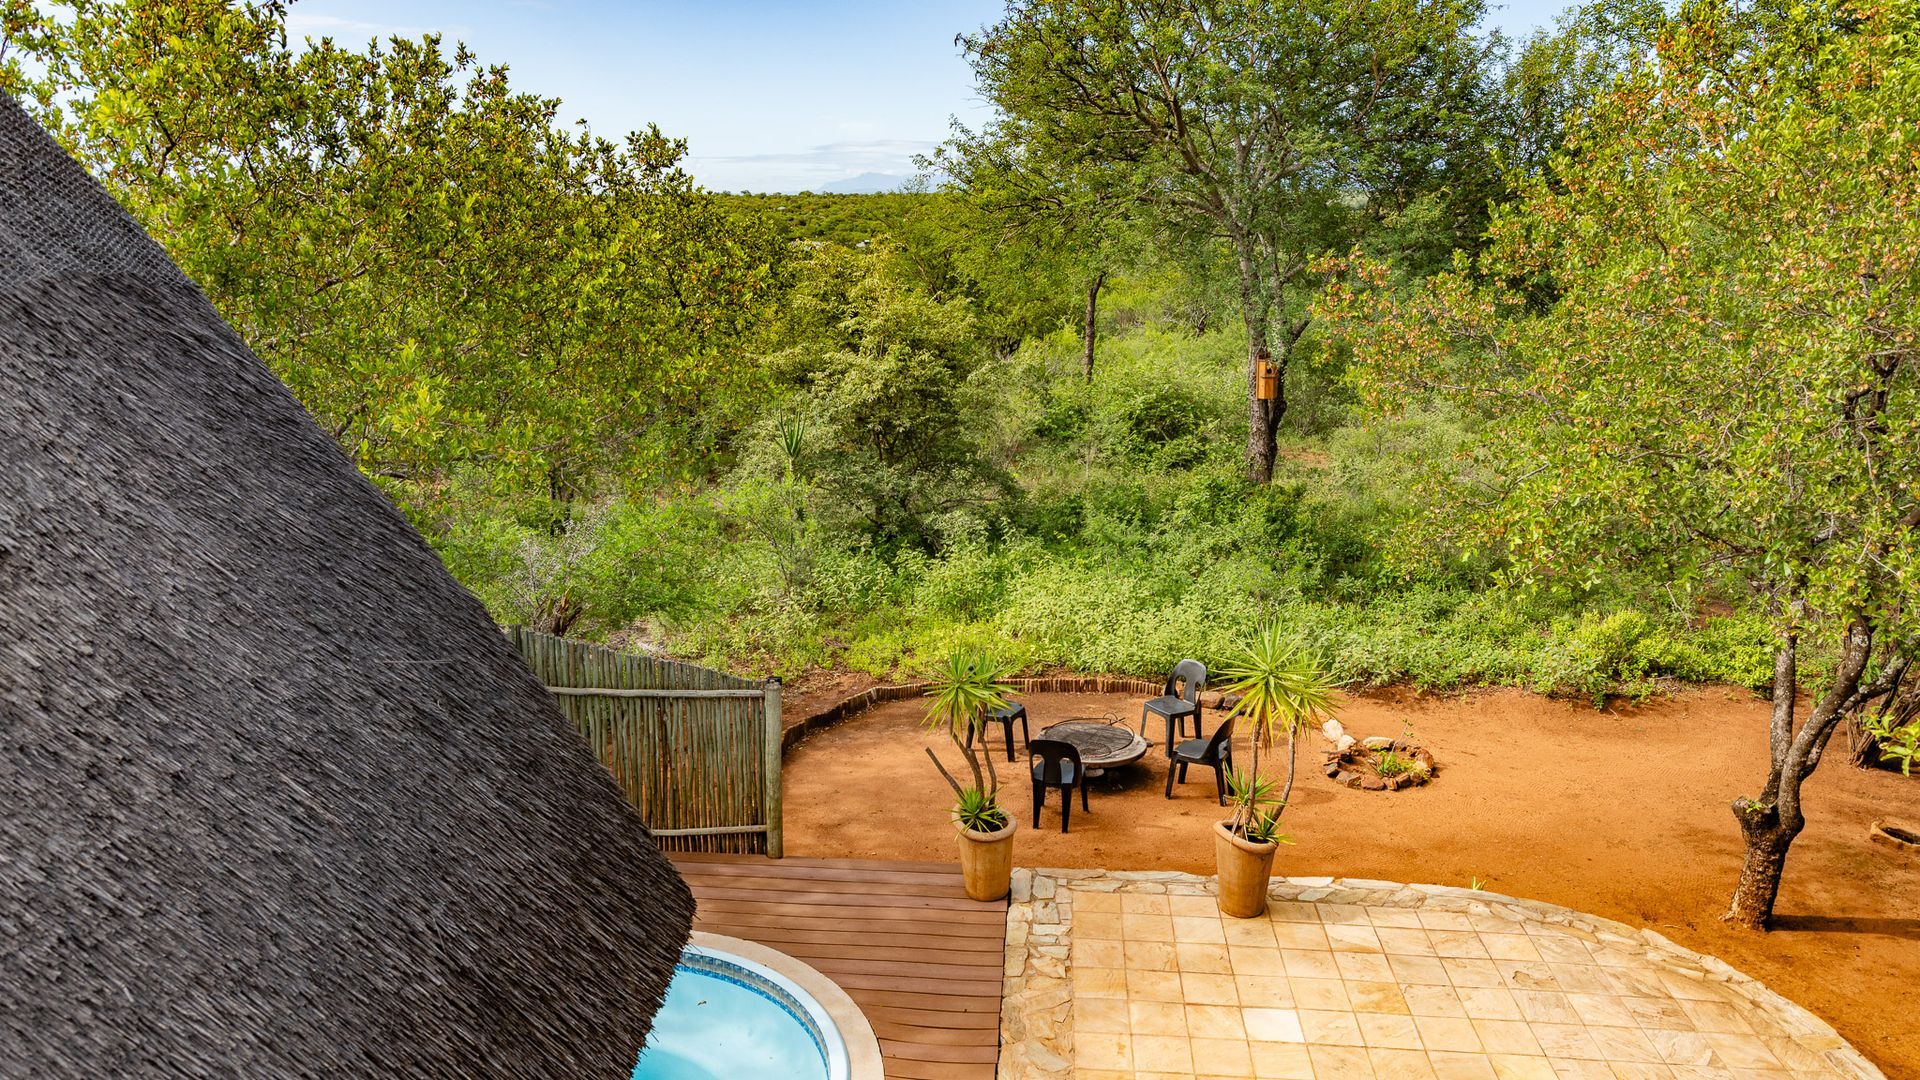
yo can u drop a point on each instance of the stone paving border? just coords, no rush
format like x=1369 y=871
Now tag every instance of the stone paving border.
x=1036 y=1025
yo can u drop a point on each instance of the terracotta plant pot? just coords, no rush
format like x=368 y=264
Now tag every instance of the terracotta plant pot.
x=986 y=861
x=1243 y=868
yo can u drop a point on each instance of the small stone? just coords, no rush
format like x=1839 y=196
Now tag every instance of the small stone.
x=1372 y=783
x=1333 y=730
x=1345 y=743
x=1377 y=742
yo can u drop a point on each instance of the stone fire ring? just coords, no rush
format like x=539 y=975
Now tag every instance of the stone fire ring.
x=1354 y=767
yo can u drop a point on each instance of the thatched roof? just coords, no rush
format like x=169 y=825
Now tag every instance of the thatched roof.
x=276 y=798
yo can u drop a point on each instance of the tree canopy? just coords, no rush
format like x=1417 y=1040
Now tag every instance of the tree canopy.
x=1277 y=130
x=446 y=276
x=1725 y=377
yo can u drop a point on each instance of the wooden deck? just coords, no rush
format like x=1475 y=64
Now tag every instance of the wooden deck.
x=921 y=960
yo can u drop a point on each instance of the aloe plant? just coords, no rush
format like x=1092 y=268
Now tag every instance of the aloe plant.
x=961 y=689
x=1281 y=688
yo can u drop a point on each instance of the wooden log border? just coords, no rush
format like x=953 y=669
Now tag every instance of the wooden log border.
x=856 y=704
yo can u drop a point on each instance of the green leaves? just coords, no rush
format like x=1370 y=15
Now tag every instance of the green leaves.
x=1695 y=339
x=1279 y=684
x=961 y=687
x=445 y=277
x=1256 y=810
x=1264 y=133
x=978 y=812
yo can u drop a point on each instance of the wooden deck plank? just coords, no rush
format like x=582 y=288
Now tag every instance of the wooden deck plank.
x=901 y=938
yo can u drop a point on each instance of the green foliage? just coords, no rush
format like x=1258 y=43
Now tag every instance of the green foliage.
x=444 y=274
x=1388 y=763
x=1896 y=741
x=1259 y=134
x=1280 y=688
x=879 y=370
x=1255 y=807
x=978 y=812
x=1723 y=324
x=852 y=221
x=961 y=687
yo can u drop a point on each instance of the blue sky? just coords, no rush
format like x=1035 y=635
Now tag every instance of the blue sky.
x=770 y=96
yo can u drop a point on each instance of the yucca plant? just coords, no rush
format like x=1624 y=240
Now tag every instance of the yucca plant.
x=960 y=690
x=1281 y=688
x=1255 y=795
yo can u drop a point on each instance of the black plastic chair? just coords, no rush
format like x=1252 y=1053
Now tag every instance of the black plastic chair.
x=1059 y=766
x=1006 y=715
x=1179 y=700
x=1216 y=752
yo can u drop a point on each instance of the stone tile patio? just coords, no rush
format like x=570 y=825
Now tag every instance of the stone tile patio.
x=1136 y=974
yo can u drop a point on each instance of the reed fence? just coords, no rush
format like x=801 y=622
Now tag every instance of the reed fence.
x=696 y=750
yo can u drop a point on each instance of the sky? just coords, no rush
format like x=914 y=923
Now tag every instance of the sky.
x=770 y=95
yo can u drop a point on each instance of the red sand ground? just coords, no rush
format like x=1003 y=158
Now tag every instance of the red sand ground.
x=1622 y=813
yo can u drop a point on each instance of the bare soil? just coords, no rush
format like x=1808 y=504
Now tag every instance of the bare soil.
x=1622 y=813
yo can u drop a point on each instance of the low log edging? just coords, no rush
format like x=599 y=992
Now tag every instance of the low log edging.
x=853 y=706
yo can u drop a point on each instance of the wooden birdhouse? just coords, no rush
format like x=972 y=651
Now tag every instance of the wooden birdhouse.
x=1266 y=380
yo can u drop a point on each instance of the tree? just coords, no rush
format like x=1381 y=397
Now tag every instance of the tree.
x=1723 y=383
x=1039 y=224
x=1280 y=129
x=1558 y=72
x=444 y=276
x=880 y=370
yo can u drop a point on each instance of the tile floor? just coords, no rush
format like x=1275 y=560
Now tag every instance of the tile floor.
x=1159 y=984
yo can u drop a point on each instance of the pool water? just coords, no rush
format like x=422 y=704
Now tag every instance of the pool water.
x=714 y=1028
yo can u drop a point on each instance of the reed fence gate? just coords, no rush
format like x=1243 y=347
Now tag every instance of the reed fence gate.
x=696 y=750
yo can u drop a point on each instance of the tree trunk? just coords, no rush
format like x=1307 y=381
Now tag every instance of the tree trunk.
x=1770 y=822
x=1263 y=417
x=1863 y=748
x=1087 y=326
x=1767 y=838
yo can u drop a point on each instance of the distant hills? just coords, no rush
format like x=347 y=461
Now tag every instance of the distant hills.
x=867 y=183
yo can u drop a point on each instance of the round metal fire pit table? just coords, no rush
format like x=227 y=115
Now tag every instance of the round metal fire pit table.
x=1102 y=746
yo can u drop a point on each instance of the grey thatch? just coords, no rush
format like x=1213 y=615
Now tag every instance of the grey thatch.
x=276 y=798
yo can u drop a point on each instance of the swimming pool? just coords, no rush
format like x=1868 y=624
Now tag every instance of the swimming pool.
x=730 y=1018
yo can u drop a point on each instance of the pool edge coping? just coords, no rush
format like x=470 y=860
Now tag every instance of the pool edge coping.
x=863 y=1046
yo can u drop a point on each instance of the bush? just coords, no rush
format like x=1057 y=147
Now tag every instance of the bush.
x=1133 y=539
x=1163 y=426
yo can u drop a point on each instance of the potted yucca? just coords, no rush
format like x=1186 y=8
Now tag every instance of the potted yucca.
x=1281 y=689
x=960 y=691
